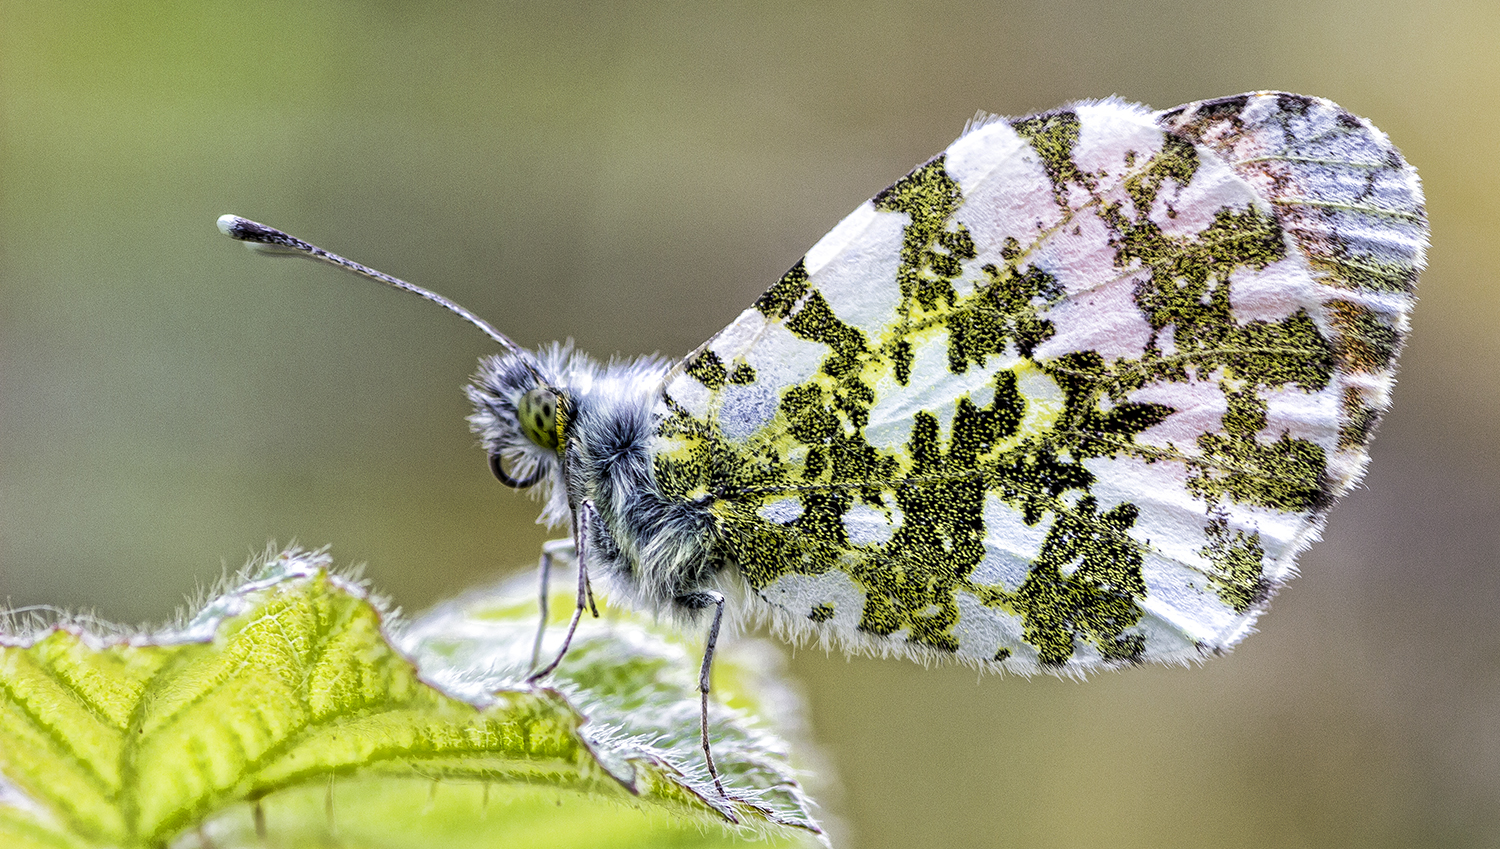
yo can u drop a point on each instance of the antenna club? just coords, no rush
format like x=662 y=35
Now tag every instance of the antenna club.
x=246 y=230
x=262 y=239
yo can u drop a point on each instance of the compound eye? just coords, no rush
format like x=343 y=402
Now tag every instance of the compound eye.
x=498 y=467
x=537 y=412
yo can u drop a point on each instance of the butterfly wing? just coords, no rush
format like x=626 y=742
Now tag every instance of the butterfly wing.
x=1073 y=393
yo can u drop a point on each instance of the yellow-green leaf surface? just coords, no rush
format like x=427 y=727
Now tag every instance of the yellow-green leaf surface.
x=293 y=711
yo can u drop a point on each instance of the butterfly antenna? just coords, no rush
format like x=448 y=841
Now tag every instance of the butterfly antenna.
x=268 y=240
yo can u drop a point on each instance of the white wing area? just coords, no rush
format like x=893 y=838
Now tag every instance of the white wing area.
x=1130 y=310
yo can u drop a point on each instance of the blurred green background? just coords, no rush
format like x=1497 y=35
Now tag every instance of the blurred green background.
x=632 y=175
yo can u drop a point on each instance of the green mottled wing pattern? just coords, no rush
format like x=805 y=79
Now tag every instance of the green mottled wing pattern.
x=1074 y=393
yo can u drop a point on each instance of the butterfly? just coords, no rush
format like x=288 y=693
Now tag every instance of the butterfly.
x=1071 y=395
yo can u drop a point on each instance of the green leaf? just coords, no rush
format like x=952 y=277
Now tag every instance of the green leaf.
x=293 y=711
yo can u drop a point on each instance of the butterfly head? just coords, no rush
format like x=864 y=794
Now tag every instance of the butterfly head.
x=523 y=407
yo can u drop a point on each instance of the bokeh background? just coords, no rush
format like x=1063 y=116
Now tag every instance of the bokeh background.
x=632 y=175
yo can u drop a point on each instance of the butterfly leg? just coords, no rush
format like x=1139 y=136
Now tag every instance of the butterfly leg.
x=698 y=601
x=588 y=590
x=550 y=550
x=585 y=594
